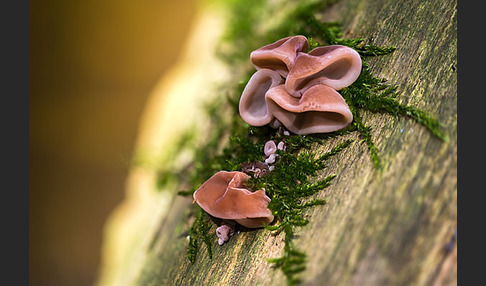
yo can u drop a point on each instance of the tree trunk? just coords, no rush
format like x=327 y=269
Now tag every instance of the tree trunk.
x=394 y=227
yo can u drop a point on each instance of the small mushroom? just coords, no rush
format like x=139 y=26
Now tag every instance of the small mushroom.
x=252 y=107
x=224 y=196
x=335 y=66
x=271 y=159
x=279 y=56
x=321 y=109
x=223 y=232
x=270 y=148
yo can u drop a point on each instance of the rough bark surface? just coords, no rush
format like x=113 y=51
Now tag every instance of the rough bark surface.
x=393 y=227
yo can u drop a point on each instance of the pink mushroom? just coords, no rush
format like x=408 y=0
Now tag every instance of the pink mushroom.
x=224 y=231
x=307 y=101
x=252 y=107
x=224 y=196
x=335 y=66
x=269 y=148
x=321 y=109
x=279 y=56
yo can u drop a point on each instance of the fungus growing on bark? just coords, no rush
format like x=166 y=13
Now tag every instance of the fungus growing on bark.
x=320 y=109
x=224 y=196
x=306 y=101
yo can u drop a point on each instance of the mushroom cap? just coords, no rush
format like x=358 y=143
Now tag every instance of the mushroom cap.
x=335 y=66
x=321 y=109
x=224 y=196
x=252 y=107
x=270 y=148
x=280 y=55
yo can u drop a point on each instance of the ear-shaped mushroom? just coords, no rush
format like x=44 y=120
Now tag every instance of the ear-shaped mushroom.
x=252 y=107
x=280 y=55
x=321 y=109
x=335 y=66
x=224 y=196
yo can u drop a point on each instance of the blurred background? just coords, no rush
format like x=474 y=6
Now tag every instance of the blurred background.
x=92 y=65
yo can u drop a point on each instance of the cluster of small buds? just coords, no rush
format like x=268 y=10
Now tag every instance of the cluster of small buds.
x=259 y=168
x=270 y=150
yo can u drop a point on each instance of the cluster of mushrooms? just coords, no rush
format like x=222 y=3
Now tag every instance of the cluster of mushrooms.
x=291 y=88
x=297 y=89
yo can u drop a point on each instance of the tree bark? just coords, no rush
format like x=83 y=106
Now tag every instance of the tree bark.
x=394 y=227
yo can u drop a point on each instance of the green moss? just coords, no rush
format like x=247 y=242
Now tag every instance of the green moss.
x=200 y=230
x=294 y=185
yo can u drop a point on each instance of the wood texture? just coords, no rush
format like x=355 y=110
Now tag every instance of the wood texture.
x=377 y=228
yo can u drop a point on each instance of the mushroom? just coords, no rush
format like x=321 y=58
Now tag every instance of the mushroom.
x=271 y=159
x=335 y=66
x=279 y=56
x=270 y=148
x=224 y=231
x=321 y=109
x=252 y=106
x=307 y=101
x=225 y=196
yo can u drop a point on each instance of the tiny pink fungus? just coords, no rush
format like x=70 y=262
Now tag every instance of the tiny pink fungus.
x=224 y=196
x=270 y=148
x=335 y=66
x=223 y=232
x=281 y=146
x=271 y=159
x=280 y=55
